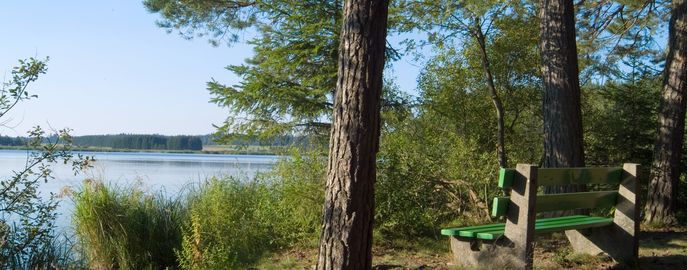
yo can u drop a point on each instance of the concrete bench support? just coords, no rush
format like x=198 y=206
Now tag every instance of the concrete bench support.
x=620 y=240
x=471 y=253
x=513 y=247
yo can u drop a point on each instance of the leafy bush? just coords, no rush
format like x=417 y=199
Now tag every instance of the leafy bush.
x=124 y=228
x=427 y=178
x=233 y=222
x=298 y=184
x=229 y=225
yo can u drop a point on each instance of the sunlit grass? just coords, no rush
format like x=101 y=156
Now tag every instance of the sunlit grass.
x=125 y=228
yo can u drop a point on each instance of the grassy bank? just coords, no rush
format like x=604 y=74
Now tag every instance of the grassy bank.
x=221 y=223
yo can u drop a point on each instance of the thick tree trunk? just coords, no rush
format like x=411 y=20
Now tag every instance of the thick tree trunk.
x=346 y=237
x=661 y=206
x=563 y=145
x=489 y=78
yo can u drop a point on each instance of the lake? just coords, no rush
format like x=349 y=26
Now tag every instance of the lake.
x=166 y=172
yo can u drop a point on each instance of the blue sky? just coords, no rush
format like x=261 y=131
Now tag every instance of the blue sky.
x=112 y=70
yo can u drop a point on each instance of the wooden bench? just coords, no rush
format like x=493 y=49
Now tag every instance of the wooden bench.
x=510 y=244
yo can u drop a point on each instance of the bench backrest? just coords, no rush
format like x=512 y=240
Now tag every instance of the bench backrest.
x=561 y=177
x=520 y=209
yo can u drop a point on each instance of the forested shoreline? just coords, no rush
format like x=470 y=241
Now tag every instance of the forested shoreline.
x=157 y=142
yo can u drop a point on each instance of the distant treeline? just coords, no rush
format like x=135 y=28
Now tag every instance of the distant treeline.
x=178 y=142
x=159 y=142
x=135 y=141
x=12 y=141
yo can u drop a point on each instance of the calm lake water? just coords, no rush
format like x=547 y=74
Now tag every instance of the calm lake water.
x=154 y=172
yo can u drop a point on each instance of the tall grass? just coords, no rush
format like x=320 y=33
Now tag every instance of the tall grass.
x=53 y=251
x=221 y=223
x=124 y=228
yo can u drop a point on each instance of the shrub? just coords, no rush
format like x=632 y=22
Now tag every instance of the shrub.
x=426 y=179
x=233 y=222
x=298 y=184
x=124 y=228
x=229 y=225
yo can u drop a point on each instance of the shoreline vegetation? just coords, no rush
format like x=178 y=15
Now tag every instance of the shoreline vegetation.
x=220 y=223
x=207 y=149
x=205 y=227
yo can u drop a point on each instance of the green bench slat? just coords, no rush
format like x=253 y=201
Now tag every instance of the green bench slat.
x=474 y=230
x=562 y=201
x=569 y=201
x=492 y=231
x=582 y=224
x=566 y=176
x=499 y=206
x=586 y=223
x=576 y=176
x=506 y=177
x=471 y=231
x=559 y=225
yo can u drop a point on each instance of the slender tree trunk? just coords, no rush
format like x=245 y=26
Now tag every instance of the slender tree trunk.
x=500 y=143
x=563 y=145
x=661 y=206
x=346 y=238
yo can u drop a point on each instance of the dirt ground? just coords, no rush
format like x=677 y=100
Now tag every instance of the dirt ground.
x=659 y=249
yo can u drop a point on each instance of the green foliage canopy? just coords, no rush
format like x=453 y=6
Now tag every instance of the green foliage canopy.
x=288 y=84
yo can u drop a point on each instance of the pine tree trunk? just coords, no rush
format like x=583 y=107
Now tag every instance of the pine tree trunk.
x=563 y=145
x=661 y=206
x=346 y=237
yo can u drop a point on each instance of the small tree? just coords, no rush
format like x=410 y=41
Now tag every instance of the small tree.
x=27 y=219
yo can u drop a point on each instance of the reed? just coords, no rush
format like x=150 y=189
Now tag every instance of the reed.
x=125 y=228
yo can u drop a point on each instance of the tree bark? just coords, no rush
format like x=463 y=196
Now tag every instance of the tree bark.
x=661 y=206
x=346 y=237
x=563 y=145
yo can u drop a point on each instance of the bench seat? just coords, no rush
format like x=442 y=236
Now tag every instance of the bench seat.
x=543 y=225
